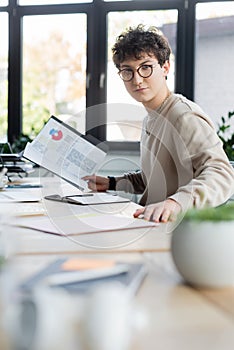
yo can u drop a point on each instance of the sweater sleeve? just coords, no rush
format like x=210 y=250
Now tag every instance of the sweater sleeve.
x=131 y=182
x=213 y=176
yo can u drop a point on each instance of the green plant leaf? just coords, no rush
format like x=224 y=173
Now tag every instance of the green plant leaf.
x=226 y=135
x=222 y=213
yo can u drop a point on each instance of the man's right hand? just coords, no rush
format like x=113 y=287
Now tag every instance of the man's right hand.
x=97 y=183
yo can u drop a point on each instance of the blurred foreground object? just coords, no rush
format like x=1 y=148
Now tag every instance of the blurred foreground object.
x=203 y=247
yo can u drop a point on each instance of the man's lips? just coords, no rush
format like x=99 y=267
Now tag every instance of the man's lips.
x=140 y=89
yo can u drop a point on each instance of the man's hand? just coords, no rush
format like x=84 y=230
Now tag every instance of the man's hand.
x=160 y=212
x=97 y=183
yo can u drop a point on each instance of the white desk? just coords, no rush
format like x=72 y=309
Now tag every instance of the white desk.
x=180 y=317
x=132 y=240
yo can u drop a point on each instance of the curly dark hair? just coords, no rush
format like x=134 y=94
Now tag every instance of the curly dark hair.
x=136 y=41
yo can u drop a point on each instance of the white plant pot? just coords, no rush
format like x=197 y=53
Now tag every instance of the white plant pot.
x=203 y=252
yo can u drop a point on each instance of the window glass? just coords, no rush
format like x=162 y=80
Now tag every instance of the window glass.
x=214 y=74
x=3 y=75
x=54 y=68
x=3 y=2
x=51 y=2
x=119 y=128
x=115 y=0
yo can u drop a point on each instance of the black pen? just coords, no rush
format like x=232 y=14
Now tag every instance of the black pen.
x=80 y=195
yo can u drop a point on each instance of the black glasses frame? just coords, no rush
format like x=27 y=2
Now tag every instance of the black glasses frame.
x=151 y=66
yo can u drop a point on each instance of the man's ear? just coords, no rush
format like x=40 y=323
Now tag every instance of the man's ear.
x=166 y=68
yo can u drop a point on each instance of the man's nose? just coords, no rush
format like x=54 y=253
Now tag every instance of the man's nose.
x=137 y=79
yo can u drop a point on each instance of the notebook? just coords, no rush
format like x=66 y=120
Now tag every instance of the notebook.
x=65 y=152
x=129 y=275
x=89 y=198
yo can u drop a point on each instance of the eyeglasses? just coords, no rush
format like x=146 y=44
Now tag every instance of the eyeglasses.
x=145 y=71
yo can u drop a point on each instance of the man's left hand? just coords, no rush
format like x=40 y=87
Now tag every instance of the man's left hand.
x=160 y=212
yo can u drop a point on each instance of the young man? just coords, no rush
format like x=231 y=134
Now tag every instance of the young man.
x=183 y=164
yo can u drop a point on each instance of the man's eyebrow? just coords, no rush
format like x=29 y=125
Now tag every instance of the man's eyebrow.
x=148 y=61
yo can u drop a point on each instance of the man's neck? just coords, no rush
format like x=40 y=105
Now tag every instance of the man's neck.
x=158 y=101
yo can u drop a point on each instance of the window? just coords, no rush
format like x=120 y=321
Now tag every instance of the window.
x=124 y=120
x=51 y=2
x=3 y=75
x=60 y=62
x=214 y=74
x=54 y=68
x=115 y=0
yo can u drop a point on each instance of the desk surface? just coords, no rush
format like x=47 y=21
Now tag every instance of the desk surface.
x=180 y=317
x=132 y=240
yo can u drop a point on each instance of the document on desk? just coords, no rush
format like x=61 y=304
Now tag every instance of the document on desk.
x=90 y=222
x=22 y=195
x=65 y=152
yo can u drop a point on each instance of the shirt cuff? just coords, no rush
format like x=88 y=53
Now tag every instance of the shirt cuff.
x=112 y=183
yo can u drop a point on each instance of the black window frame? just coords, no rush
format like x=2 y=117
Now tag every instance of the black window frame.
x=97 y=12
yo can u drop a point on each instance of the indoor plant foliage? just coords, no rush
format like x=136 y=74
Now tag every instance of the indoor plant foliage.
x=202 y=246
x=20 y=143
x=226 y=135
x=221 y=213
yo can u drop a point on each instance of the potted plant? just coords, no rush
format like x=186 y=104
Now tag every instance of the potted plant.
x=227 y=136
x=202 y=246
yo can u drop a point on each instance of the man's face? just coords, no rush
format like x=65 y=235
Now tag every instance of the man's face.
x=147 y=90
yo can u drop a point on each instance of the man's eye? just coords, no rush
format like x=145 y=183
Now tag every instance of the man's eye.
x=145 y=67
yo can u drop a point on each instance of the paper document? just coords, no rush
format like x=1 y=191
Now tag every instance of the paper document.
x=22 y=195
x=65 y=152
x=89 y=222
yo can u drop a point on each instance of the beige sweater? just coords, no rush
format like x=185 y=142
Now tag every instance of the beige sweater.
x=181 y=158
